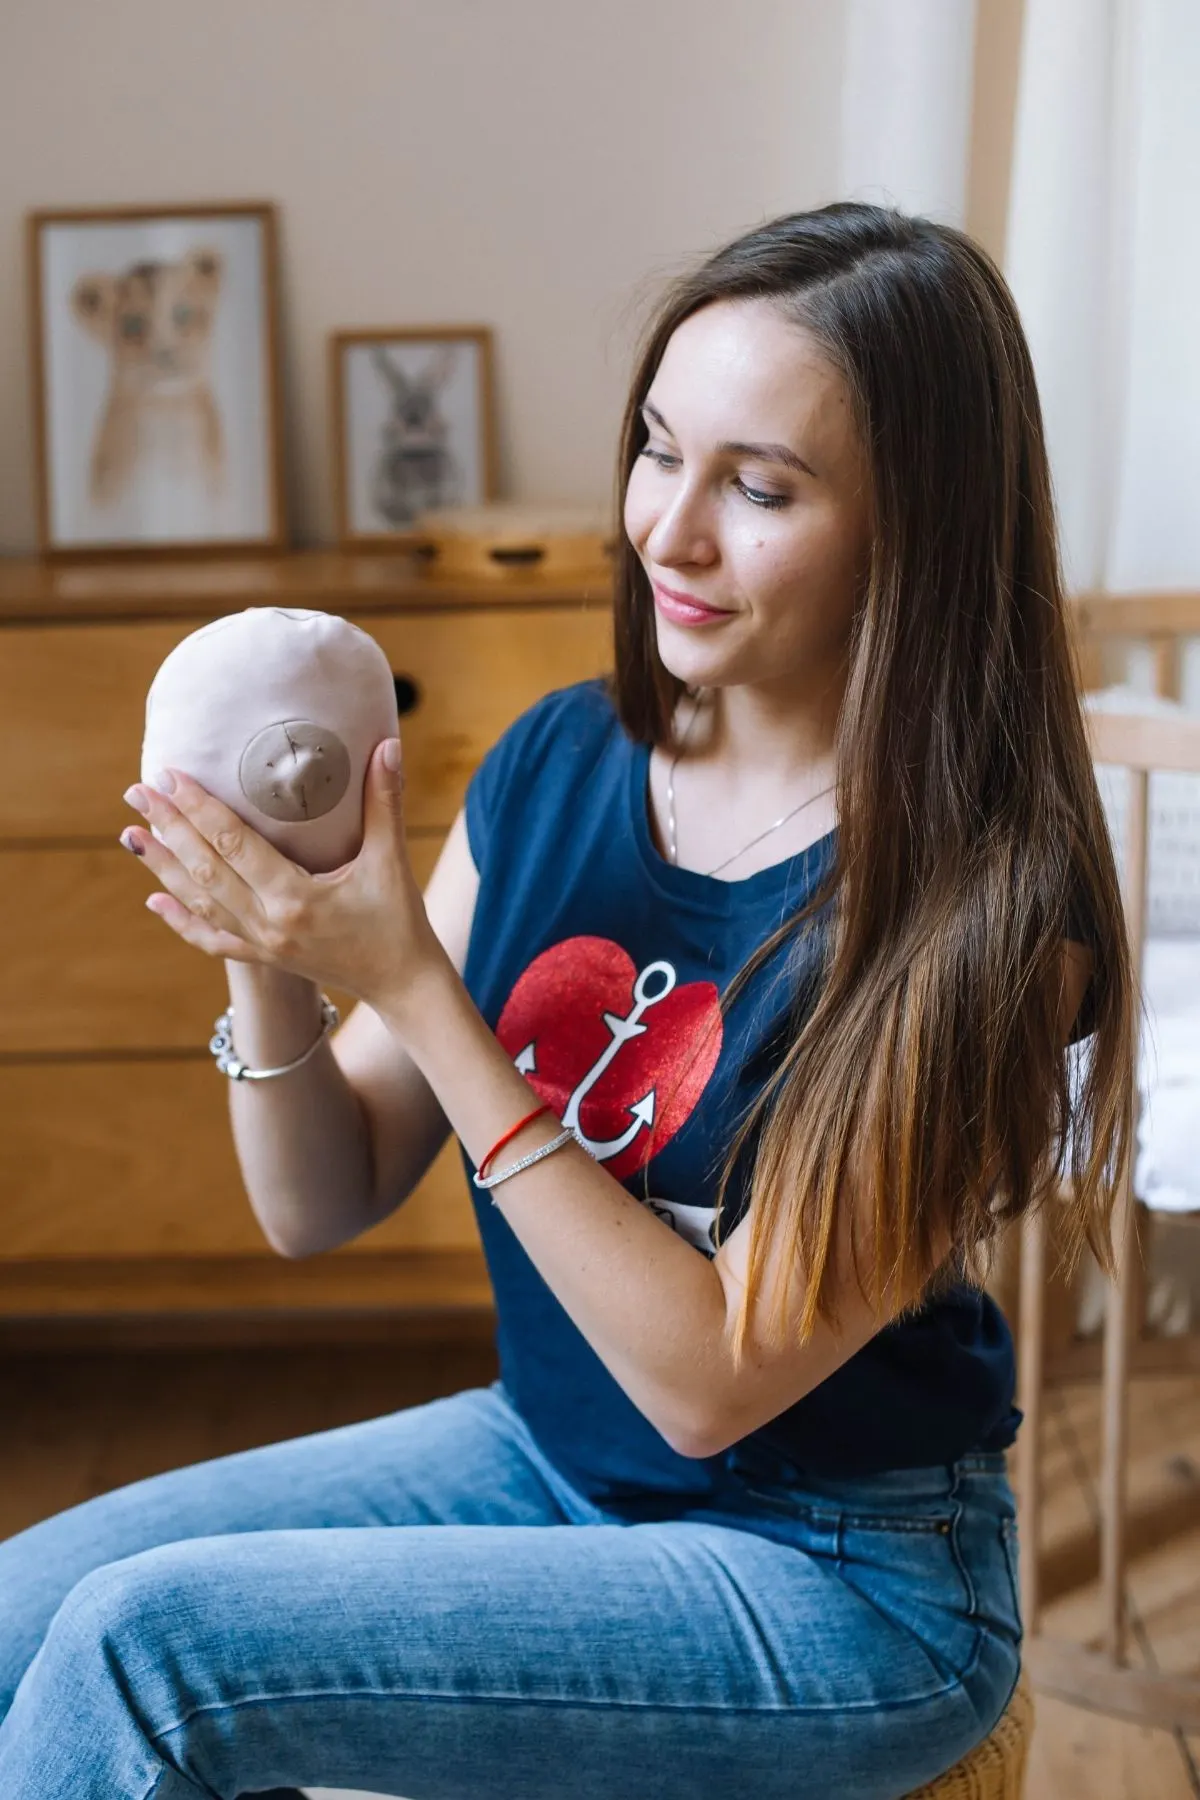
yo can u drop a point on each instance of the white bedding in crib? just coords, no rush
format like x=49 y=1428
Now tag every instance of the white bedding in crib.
x=1167 y=1171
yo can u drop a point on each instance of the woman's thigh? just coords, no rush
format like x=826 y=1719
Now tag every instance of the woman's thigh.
x=671 y=1661
x=466 y=1459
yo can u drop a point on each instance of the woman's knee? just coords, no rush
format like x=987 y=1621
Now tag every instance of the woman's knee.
x=103 y=1690
x=128 y=1643
x=107 y=1615
x=64 y=1637
x=33 y=1585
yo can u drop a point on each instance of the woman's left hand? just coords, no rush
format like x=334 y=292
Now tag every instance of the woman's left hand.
x=362 y=927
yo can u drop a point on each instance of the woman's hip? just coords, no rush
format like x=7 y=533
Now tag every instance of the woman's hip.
x=931 y=1552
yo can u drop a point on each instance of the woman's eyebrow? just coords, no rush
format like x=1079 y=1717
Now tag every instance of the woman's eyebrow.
x=767 y=452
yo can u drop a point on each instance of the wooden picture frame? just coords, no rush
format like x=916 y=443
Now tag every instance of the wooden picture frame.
x=157 y=406
x=411 y=427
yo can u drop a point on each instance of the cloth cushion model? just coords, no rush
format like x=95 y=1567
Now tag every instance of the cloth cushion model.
x=276 y=711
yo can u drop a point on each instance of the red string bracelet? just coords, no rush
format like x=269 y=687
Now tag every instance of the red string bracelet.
x=500 y=1143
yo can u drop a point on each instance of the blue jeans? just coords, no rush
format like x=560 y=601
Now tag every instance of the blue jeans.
x=422 y=1605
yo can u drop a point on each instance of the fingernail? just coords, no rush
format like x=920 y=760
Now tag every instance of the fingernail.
x=164 y=781
x=391 y=754
x=130 y=843
x=136 y=796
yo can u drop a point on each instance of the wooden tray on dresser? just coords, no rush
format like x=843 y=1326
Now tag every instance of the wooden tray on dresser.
x=122 y=1210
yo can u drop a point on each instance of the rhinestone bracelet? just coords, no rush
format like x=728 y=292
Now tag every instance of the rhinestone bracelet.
x=490 y=1181
x=229 y=1063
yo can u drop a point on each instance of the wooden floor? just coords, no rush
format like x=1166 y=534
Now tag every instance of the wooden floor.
x=78 y=1424
x=1078 y=1753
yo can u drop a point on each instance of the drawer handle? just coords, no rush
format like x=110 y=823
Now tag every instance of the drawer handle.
x=408 y=694
x=517 y=556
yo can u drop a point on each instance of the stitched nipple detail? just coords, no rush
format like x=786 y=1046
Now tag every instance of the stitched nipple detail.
x=294 y=770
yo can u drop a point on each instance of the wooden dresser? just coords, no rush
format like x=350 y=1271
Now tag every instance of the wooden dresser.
x=122 y=1210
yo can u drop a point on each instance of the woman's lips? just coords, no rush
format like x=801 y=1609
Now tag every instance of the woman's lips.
x=685 y=611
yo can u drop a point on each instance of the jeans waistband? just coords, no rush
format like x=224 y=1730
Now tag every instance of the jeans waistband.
x=752 y=1462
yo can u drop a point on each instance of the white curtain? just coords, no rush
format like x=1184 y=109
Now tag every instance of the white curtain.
x=906 y=104
x=1103 y=253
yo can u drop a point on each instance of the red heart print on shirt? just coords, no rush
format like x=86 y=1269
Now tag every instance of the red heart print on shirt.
x=621 y=1053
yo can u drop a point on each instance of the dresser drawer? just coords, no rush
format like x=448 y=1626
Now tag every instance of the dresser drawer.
x=72 y=704
x=87 y=968
x=474 y=675
x=136 y=1159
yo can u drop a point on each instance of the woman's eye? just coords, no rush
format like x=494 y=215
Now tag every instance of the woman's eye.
x=754 y=495
x=769 y=500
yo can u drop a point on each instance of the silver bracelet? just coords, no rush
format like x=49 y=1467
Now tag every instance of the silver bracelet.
x=229 y=1063
x=490 y=1181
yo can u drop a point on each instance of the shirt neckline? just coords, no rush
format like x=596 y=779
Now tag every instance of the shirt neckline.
x=689 y=884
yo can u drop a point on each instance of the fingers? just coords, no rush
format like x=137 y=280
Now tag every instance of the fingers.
x=383 y=798
x=189 y=865
x=182 y=895
x=263 y=869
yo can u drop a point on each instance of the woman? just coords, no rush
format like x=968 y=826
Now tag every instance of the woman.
x=786 y=926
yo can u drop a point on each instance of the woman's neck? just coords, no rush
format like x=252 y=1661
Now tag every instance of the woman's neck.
x=756 y=744
x=724 y=800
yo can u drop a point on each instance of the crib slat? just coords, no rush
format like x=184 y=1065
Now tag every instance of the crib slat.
x=1167 y=665
x=1118 y=1318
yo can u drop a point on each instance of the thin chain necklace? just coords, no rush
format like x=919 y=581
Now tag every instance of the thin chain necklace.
x=672 y=846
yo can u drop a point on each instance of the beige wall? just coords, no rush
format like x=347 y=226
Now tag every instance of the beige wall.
x=997 y=66
x=530 y=164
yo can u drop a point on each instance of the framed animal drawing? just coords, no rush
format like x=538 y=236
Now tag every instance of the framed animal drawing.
x=412 y=424
x=156 y=380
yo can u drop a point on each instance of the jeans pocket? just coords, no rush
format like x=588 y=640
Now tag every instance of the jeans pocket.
x=906 y=1562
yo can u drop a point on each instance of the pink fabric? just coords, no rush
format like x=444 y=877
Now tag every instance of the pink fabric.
x=276 y=712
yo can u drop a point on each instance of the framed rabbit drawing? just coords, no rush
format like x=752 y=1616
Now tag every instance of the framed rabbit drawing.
x=412 y=425
x=156 y=381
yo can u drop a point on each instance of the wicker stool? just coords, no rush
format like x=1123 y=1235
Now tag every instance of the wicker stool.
x=995 y=1769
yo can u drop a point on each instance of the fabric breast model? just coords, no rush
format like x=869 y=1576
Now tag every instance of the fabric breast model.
x=276 y=711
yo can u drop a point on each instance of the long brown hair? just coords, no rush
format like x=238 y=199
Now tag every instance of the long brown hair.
x=930 y=1072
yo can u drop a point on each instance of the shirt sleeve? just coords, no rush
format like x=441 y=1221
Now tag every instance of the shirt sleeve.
x=507 y=775
x=480 y=799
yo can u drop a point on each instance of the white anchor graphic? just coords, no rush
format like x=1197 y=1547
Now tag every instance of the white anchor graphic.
x=642 y=1111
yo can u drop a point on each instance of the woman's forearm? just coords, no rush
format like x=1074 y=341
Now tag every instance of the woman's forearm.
x=650 y=1305
x=302 y=1140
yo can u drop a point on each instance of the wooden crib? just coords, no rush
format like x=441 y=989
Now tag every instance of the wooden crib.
x=1101 y=1679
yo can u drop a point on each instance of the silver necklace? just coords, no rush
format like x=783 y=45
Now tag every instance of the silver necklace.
x=672 y=845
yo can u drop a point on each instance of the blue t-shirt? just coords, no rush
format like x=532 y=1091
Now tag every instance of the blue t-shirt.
x=598 y=965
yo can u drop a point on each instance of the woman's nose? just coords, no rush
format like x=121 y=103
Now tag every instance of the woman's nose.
x=682 y=532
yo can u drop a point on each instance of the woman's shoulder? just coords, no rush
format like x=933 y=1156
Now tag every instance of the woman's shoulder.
x=546 y=746
x=585 y=704
x=566 y=720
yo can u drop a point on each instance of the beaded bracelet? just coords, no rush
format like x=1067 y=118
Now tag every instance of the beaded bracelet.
x=230 y=1063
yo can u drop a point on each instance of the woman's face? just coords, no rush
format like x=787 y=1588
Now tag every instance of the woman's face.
x=750 y=494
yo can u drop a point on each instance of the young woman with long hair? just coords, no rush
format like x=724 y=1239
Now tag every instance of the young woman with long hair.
x=791 y=926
